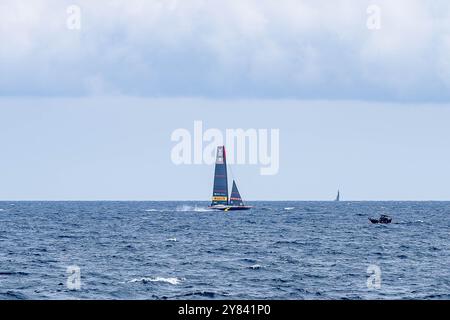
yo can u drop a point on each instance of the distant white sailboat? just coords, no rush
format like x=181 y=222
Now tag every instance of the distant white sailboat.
x=338 y=197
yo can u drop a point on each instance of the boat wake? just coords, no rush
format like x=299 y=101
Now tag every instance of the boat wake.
x=183 y=208
x=188 y=208
x=411 y=222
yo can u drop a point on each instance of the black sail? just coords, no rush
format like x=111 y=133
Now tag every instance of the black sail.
x=220 y=189
x=235 y=197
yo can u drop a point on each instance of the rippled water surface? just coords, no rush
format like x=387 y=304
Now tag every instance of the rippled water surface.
x=180 y=250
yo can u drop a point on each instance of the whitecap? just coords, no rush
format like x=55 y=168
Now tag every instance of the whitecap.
x=289 y=208
x=255 y=266
x=172 y=239
x=171 y=280
x=151 y=210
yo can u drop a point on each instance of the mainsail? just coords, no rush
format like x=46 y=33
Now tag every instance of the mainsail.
x=220 y=189
x=338 y=197
x=235 y=197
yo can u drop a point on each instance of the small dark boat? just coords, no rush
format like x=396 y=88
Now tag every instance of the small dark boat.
x=383 y=219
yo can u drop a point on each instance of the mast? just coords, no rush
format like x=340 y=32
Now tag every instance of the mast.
x=220 y=188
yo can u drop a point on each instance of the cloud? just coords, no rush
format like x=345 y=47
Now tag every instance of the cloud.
x=227 y=49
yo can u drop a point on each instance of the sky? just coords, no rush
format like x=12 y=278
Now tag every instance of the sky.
x=90 y=96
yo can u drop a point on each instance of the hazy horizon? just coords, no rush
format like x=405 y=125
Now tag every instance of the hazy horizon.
x=88 y=149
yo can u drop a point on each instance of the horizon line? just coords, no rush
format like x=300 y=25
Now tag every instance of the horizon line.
x=171 y=200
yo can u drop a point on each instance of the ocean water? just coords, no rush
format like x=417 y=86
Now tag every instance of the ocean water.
x=181 y=250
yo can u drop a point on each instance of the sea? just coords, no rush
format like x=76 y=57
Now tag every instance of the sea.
x=183 y=250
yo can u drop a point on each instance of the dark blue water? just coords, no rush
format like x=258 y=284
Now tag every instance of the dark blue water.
x=176 y=250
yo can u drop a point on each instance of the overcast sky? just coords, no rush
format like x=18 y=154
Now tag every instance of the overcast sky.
x=248 y=48
x=88 y=113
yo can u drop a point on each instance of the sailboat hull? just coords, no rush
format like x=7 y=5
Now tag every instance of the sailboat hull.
x=229 y=208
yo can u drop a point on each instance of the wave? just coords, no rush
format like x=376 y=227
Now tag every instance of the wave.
x=170 y=280
x=289 y=208
x=13 y=295
x=288 y=242
x=2 y=209
x=443 y=296
x=208 y=294
x=152 y=210
x=13 y=273
x=172 y=239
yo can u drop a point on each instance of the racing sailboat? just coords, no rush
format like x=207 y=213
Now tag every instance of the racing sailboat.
x=338 y=197
x=220 y=200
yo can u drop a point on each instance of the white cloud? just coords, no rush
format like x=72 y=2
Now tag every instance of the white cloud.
x=252 y=48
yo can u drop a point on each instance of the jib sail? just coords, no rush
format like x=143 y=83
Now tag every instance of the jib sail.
x=235 y=197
